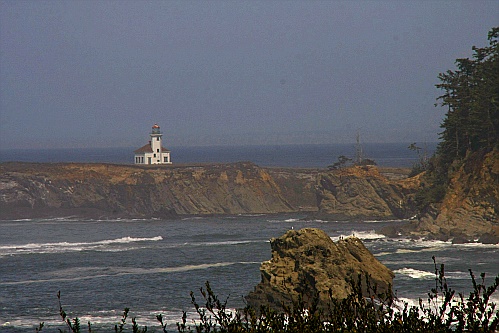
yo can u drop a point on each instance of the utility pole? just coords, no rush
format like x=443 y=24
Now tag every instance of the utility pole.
x=358 y=151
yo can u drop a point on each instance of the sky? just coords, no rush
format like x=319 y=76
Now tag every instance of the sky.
x=84 y=74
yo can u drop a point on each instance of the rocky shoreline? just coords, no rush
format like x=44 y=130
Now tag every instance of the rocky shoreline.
x=469 y=211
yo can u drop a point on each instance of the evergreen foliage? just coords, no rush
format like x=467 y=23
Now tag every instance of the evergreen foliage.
x=471 y=123
x=471 y=95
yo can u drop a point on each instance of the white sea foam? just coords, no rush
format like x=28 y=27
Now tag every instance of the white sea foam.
x=477 y=245
x=288 y=220
x=192 y=218
x=39 y=248
x=415 y=273
x=382 y=254
x=381 y=221
x=103 y=320
x=251 y=215
x=365 y=235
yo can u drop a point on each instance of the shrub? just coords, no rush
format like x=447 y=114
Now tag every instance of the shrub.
x=442 y=312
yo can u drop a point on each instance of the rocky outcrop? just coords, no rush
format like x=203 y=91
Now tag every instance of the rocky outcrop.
x=470 y=208
x=307 y=263
x=362 y=192
x=298 y=186
x=104 y=190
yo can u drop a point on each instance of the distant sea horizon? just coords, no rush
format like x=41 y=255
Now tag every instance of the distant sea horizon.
x=291 y=155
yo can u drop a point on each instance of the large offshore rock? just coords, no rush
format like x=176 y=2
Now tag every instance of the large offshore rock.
x=307 y=262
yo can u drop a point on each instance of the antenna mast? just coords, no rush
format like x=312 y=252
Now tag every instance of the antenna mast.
x=358 y=151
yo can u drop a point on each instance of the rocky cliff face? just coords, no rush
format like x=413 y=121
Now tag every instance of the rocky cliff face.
x=102 y=190
x=307 y=262
x=470 y=208
x=362 y=192
x=106 y=190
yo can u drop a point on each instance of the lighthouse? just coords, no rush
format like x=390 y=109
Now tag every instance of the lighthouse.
x=153 y=152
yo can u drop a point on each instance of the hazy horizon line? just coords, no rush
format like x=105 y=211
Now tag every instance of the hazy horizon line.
x=225 y=145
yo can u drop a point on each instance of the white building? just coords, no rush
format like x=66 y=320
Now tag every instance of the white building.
x=153 y=152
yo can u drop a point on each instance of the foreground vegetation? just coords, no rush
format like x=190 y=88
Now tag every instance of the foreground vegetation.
x=443 y=311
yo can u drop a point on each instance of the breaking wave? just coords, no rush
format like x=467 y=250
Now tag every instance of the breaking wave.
x=60 y=247
x=415 y=273
x=364 y=235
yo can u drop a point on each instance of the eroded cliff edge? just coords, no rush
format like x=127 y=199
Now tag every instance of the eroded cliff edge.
x=469 y=210
x=30 y=190
x=362 y=192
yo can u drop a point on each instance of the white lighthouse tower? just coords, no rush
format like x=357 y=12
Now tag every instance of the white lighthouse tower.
x=153 y=152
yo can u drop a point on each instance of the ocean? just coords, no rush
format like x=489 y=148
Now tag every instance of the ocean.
x=306 y=156
x=102 y=266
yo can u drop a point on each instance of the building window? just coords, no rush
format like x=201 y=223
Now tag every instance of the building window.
x=154 y=155
x=157 y=138
x=166 y=159
x=157 y=150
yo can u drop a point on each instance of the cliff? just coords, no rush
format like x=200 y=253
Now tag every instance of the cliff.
x=307 y=263
x=109 y=191
x=103 y=190
x=364 y=193
x=470 y=207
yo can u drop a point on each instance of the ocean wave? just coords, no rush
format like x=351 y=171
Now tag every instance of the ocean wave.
x=113 y=272
x=381 y=221
x=104 y=319
x=286 y=220
x=251 y=215
x=41 y=248
x=477 y=245
x=415 y=273
x=192 y=218
x=434 y=244
x=364 y=235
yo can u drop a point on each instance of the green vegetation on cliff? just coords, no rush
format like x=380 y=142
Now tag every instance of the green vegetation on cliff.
x=471 y=123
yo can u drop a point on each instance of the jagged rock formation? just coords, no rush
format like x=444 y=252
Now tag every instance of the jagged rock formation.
x=298 y=186
x=362 y=192
x=470 y=208
x=307 y=262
